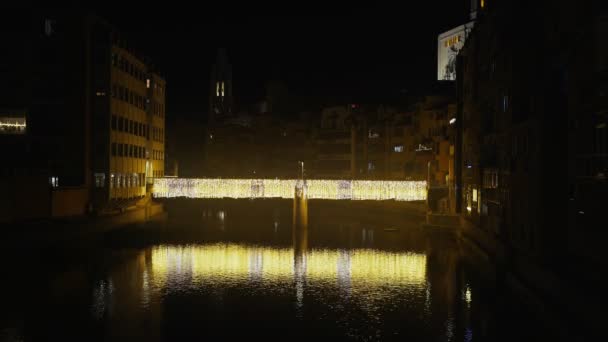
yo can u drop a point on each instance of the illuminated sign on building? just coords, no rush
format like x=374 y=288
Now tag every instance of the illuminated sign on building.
x=448 y=45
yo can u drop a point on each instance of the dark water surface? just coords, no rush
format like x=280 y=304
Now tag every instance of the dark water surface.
x=230 y=269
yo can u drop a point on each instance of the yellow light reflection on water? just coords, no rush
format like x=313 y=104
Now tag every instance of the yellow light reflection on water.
x=371 y=266
x=238 y=263
x=321 y=264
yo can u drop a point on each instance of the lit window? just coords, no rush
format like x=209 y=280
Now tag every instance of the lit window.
x=54 y=181
x=398 y=148
x=217 y=89
x=452 y=121
x=222 y=88
x=100 y=180
x=148 y=83
x=112 y=180
x=48 y=27
x=371 y=166
x=482 y=3
x=474 y=195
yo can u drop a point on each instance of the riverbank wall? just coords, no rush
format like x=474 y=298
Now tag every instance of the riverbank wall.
x=76 y=230
x=558 y=305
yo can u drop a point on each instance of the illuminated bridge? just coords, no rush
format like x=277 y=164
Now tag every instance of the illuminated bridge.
x=284 y=188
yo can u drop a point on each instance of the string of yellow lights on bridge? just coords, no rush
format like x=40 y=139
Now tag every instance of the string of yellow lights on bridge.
x=284 y=188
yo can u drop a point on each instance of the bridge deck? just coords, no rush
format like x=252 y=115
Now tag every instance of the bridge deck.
x=284 y=188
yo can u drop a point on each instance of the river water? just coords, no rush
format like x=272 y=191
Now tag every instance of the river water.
x=222 y=270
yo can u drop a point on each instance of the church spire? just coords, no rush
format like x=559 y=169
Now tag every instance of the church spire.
x=220 y=94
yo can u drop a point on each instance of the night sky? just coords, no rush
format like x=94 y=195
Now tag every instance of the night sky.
x=362 y=55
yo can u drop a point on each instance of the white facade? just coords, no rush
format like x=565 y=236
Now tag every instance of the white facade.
x=448 y=45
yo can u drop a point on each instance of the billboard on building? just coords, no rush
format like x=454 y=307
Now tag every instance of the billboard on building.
x=448 y=45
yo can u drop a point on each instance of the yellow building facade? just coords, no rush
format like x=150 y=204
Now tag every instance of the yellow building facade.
x=156 y=116
x=128 y=126
x=137 y=126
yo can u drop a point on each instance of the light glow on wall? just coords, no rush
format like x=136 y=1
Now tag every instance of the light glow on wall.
x=11 y=125
x=276 y=188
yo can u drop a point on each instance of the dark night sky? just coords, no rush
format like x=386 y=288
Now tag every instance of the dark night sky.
x=366 y=54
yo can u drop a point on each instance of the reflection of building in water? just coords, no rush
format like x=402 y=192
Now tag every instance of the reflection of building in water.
x=447 y=285
x=221 y=263
x=128 y=299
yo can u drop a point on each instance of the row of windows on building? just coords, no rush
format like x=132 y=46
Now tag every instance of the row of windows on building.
x=158 y=173
x=128 y=180
x=158 y=155
x=158 y=134
x=129 y=96
x=125 y=65
x=158 y=89
x=128 y=150
x=158 y=109
x=120 y=180
x=118 y=123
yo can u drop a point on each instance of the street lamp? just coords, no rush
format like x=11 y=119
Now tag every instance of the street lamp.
x=302 y=164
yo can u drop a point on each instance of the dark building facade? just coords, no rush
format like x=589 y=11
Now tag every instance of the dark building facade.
x=83 y=95
x=386 y=142
x=508 y=105
x=532 y=154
